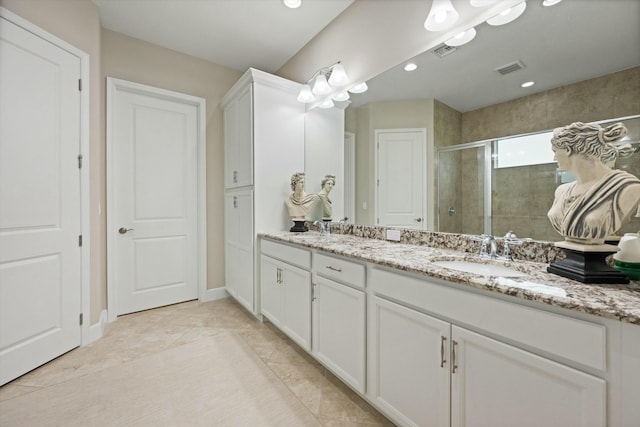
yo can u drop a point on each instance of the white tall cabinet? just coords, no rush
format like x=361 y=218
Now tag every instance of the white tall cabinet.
x=263 y=147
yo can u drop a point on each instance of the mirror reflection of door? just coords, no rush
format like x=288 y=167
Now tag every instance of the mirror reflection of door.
x=350 y=176
x=401 y=178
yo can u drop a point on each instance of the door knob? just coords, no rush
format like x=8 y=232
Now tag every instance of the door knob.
x=419 y=219
x=123 y=230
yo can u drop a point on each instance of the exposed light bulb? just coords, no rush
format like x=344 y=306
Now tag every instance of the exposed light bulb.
x=441 y=16
x=462 y=38
x=338 y=75
x=320 y=85
x=342 y=96
x=359 y=88
x=508 y=15
x=292 y=4
x=305 y=94
x=327 y=103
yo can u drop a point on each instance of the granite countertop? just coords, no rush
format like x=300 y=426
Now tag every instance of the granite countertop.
x=612 y=301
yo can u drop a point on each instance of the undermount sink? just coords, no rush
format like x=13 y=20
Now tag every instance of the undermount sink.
x=483 y=268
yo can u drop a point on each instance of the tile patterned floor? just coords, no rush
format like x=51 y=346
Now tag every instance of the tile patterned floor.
x=146 y=333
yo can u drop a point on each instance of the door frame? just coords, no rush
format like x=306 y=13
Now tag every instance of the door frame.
x=85 y=206
x=114 y=86
x=427 y=203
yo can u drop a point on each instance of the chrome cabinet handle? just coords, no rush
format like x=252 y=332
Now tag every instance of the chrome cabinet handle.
x=123 y=230
x=235 y=177
x=339 y=270
x=454 y=361
x=443 y=360
x=235 y=202
x=279 y=276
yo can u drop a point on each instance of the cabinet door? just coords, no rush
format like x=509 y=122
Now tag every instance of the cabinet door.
x=231 y=254
x=339 y=330
x=494 y=384
x=245 y=268
x=411 y=365
x=238 y=141
x=239 y=268
x=297 y=304
x=272 y=290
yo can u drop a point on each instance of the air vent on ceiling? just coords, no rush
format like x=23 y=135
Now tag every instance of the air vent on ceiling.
x=510 y=68
x=444 y=50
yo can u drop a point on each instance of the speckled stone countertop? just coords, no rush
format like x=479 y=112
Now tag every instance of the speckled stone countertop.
x=612 y=301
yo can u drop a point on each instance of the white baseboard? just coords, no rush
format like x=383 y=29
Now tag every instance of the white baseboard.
x=214 y=294
x=96 y=331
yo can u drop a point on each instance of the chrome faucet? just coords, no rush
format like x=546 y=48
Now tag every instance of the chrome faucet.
x=488 y=247
x=325 y=227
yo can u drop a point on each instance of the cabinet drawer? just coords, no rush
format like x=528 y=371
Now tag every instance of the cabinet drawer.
x=573 y=339
x=339 y=269
x=290 y=254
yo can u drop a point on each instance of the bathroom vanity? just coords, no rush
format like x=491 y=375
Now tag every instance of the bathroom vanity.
x=428 y=345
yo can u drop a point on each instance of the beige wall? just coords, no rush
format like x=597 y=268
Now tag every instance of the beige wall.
x=111 y=54
x=131 y=59
x=607 y=97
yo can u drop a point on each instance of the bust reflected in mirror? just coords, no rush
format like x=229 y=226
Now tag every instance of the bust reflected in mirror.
x=595 y=205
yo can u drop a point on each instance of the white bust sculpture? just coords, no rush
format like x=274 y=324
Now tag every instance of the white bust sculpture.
x=299 y=203
x=327 y=184
x=594 y=206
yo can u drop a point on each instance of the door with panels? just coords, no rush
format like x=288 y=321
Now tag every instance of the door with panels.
x=40 y=206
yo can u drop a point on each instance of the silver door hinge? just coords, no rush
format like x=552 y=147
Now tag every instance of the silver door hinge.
x=80 y=85
x=81 y=319
x=80 y=240
x=79 y=161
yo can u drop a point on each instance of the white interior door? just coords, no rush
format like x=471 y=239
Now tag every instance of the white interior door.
x=350 y=176
x=40 y=219
x=153 y=209
x=401 y=178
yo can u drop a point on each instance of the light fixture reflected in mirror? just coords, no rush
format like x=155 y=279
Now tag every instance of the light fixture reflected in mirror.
x=482 y=3
x=550 y=2
x=441 y=16
x=327 y=85
x=359 y=88
x=508 y=15
x=292 y=4
x=462 y=38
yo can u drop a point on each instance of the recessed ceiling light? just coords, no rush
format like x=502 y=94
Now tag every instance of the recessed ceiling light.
x=528 y=84
x=410 y=66
x=292 y=4
x=550 y=2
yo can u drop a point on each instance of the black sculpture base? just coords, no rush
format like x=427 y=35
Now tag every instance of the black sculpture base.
x=299 y=226
x=587 y=267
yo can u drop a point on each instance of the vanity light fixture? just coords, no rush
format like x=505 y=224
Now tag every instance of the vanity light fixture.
x=527 y=84
x=508 y=15
x=359 y=88
x=292 y=4
x=482 y=3
x=327 y=85
x=550 y=2
x=441 y=16
x=462 y=38
x=410 y=66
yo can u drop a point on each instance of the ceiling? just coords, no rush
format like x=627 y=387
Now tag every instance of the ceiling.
x=572 y=41
x=238 y=34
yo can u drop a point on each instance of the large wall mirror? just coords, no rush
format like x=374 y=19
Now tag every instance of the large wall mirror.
x=584 y=59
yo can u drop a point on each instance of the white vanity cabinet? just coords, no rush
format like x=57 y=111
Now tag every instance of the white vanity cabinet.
x=339 y=318
x=417 y=359
x=263 y=147
x=286 y=290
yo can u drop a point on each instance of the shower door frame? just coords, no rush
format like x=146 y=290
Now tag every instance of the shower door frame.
x=487 y=178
